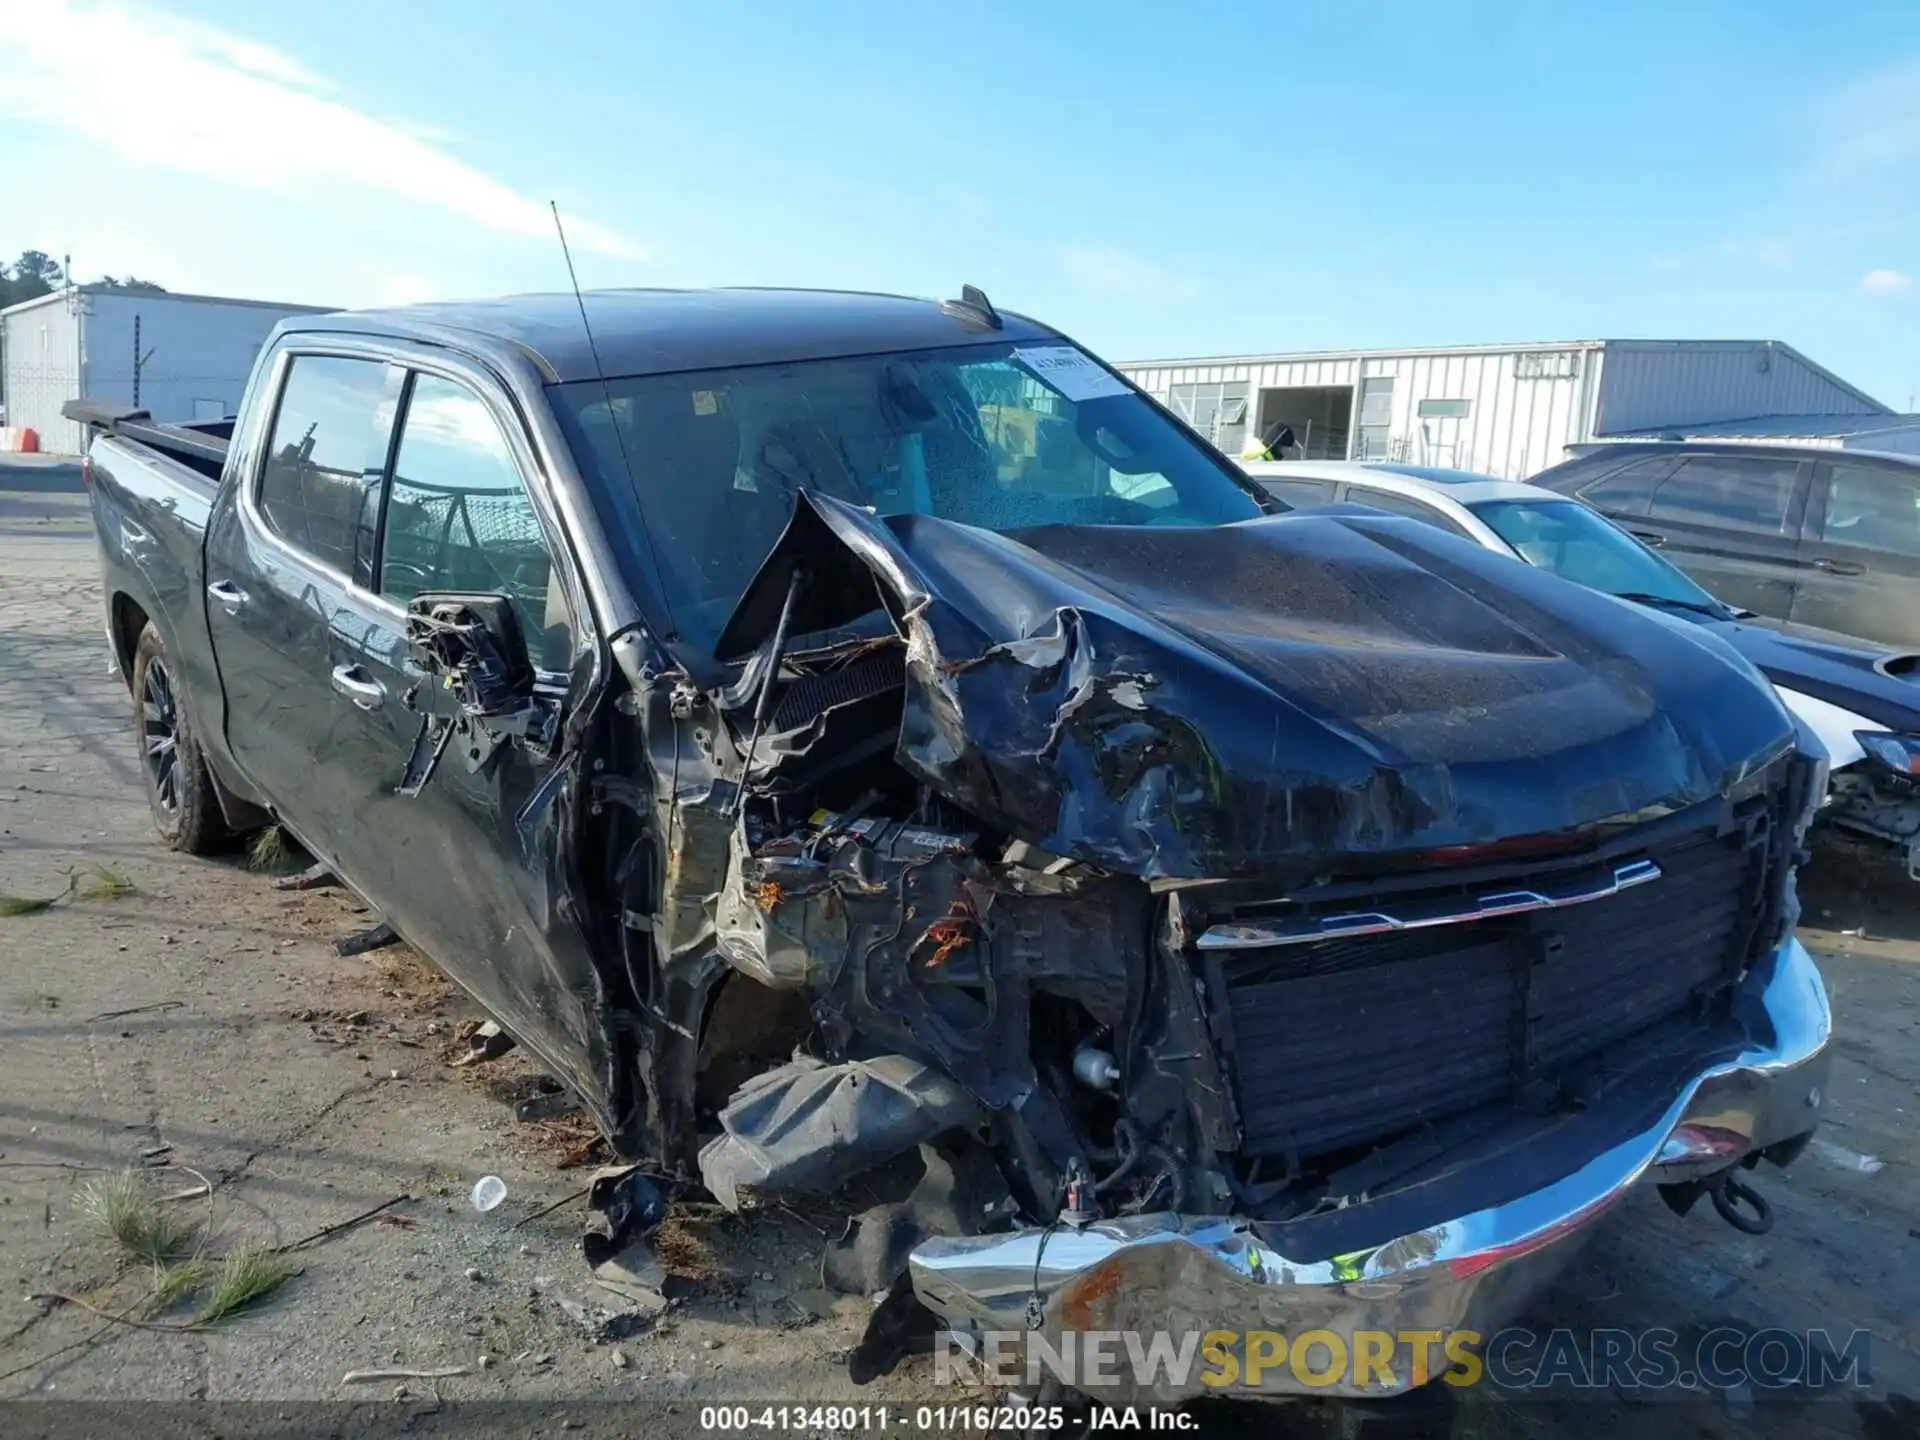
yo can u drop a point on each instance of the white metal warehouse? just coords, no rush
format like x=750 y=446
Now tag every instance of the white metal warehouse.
x=1511 y=410
x=182 y=357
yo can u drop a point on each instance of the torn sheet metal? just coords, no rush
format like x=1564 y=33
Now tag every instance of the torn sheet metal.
x=905 y=940
x=1266 y=696
x=624 y=1206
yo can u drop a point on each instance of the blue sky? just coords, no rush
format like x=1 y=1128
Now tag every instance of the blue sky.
x=1252 y=177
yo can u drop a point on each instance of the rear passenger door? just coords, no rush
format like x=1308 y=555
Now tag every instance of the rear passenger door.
x=289 y=553
x=1861 y=551
x=1733 y=523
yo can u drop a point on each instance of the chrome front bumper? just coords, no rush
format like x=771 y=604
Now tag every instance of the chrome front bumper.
x=1181 y=1274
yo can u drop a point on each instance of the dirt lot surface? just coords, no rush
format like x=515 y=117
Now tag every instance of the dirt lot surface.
x=207 y=1013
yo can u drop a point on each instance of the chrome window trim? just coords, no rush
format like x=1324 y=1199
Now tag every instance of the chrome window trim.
x=1305 y=929
x=259 y=442
x=420 y=360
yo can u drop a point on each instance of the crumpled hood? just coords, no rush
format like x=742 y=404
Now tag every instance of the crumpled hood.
x=1269 y=696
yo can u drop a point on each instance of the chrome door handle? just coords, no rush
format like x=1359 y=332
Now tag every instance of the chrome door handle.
x=230 y=595
x=352 y=682
x=1840 y=567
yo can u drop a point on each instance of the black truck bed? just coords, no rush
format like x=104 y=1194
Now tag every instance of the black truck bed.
x=202 y=447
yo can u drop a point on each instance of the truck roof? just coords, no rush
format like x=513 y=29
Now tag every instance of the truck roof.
x=655 y=332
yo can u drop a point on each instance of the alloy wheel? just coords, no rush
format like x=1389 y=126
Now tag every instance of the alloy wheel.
x=160 y=736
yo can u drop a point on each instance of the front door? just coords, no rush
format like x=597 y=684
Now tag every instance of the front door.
x=1861 y=553
x=324 y=708
x=470 y=865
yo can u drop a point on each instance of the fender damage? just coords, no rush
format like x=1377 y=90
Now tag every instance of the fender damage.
x=1281 y=873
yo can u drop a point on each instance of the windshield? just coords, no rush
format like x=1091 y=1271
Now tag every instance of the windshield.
x=1577 y=544
x=972 y=433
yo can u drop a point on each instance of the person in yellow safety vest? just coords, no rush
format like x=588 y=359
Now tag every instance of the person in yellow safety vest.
x=1351 y=1266
x=1274 y=447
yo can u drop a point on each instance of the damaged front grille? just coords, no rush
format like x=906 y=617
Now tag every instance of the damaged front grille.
x=1339 y=1041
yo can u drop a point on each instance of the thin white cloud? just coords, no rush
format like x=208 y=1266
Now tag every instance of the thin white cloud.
x=186 y=96
x=1850 y=187
x=1769 y=252
x=1885 y=281
x=1109 y=271
x=1870 y=129
x=239 y=52
x=108 y=244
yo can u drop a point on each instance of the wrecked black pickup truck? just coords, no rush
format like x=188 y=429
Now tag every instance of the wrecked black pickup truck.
x=851 y=737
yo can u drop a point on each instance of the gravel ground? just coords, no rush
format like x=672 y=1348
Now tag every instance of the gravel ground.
x=208 y=1013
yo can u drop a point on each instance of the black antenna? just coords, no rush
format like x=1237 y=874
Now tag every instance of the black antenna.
x=606 y=390
x=974 y=307
x=976 y=297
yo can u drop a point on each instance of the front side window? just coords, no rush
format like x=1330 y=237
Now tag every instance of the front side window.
x=1729 y=492
x=1874 y=506
x=458 y=517
x=1629 y=490
x=327 y=453
x=999 y=436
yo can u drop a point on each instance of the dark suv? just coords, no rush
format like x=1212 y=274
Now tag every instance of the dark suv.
x=1825 y=538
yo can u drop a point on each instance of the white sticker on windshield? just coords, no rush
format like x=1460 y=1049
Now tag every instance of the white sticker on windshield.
x=1070 y=372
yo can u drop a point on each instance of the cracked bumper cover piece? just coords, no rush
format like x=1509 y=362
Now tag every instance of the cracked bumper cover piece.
x=1171 y=1273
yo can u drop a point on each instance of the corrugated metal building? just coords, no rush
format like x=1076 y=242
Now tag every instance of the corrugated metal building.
x=1508 y=410
x=183 y=357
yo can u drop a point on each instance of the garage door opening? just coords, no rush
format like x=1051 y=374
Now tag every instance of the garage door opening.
x=1320 y=417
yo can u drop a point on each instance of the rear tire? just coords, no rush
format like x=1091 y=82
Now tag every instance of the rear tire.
x=180 y=793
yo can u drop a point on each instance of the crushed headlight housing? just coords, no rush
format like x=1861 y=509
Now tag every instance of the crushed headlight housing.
x=1899 y=754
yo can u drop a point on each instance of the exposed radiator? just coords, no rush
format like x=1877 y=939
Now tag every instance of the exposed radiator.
x=1340 y=1041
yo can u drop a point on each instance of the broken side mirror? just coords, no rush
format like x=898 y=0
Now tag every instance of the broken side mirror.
x=471 y=643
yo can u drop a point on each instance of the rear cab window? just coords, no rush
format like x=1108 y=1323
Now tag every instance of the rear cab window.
x=319 y=484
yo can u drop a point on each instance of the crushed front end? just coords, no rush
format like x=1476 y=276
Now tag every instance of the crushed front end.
x=1428 y=1121
x=1161 y=951
x=1875 y=791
